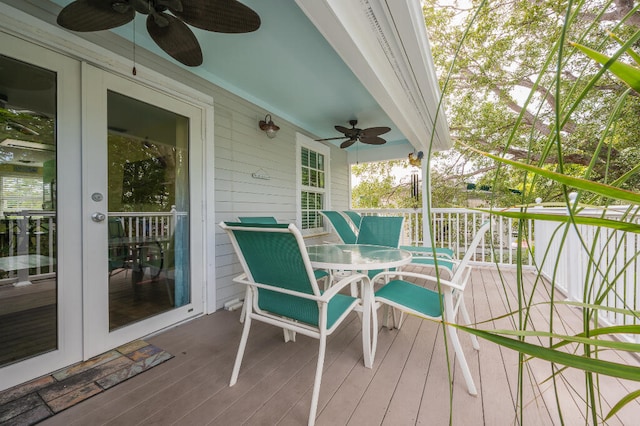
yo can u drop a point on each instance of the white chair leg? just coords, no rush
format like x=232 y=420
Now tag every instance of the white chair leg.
x=316 y=384
x=402 y=318
x=466 y=373
x=385 y=316
x=467 y=320
x=243 y=313
x=241 y=347
x=369 y=333
x=289 y=335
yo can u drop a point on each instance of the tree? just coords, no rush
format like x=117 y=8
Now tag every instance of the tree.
x=567 y=131
x=387 y=184
x=379 y=185
x=502 y=96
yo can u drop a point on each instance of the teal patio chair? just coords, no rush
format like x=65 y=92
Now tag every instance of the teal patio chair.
x=355 y=218
x=159 y=258
x=341 y=226
x=320 y=274
x=443 y=262
x=380 y=231
x=119 y=258
x=386 y=231
x=284 y=292
x=441 y=306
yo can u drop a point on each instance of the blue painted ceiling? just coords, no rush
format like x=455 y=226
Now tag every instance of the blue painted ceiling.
x=286 y=67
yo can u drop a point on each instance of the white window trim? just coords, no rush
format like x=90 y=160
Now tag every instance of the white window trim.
x=304 y=141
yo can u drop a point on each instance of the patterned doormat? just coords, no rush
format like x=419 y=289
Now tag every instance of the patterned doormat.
x=31 y=402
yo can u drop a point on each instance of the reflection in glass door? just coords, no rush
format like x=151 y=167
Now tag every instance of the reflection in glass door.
x=148 y=210
x=28 y=280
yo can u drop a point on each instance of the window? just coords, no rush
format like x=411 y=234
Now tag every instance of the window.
x=21 y=193
x=313 y=183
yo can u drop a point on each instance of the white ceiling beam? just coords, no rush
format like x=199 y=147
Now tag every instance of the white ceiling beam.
x=385 y=44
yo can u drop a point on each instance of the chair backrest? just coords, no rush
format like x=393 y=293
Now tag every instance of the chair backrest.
x=273 y=254
x=116 y=228
x=342 y=227
x=354 y=216
x=118 y=251
x=381 y=230
x=257 y=219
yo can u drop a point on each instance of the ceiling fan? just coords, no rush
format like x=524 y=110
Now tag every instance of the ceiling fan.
x=168 y=30
x=353 y=135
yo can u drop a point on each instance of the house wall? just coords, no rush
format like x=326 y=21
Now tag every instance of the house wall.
x=240 y=148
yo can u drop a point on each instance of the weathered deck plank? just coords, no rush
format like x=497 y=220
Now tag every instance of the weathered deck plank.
x=408 y=384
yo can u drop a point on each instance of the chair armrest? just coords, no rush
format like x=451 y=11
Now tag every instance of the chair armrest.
x=335 y=288
x=429 y=251
x=324 y=298
x=242 y=279
x=402 y=274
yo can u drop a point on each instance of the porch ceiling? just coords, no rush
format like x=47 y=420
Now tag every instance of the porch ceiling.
x=320 y=63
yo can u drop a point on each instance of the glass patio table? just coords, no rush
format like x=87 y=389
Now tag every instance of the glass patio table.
x=357 y=257
x=348 y=258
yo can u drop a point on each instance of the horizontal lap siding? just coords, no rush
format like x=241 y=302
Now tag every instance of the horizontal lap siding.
x=242 y=149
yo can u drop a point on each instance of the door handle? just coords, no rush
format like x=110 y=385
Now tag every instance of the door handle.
x=98 y=217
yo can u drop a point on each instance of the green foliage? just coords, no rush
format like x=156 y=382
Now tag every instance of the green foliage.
x=503 y=94
x=379 y=187
x=531 y=110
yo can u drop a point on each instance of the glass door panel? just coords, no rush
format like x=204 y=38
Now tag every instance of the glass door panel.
x=28 y=245
x=148 y=210
x=140 y=224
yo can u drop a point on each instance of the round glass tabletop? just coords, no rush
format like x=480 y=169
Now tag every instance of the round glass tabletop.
x=360 y=257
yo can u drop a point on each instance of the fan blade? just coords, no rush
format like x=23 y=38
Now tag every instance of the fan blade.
x=176 y=39
x=93 y=15
x=348 y=132
x=331 y=139
x=372 y=140
x=347 y=144
x=375 y=131
x=220 y=16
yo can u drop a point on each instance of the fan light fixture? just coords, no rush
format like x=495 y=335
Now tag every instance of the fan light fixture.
x=268 y=126
x=369 y=136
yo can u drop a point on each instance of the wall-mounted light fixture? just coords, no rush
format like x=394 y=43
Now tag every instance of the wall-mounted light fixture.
x=268 y=126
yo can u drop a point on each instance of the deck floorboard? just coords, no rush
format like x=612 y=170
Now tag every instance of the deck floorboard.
x=408 y=384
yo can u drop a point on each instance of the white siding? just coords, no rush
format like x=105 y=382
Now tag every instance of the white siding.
x=240 y=149
x=243 y=149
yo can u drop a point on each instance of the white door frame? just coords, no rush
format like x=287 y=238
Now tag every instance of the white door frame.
x=96 y=83
x=69 y=250
x=35 y=32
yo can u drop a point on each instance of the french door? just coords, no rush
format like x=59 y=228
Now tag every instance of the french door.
x=101 y=210
x=40 y=211
x=142 y=211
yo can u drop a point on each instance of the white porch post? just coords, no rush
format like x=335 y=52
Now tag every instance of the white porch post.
x=426 y=204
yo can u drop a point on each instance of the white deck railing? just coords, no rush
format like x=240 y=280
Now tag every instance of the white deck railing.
x=140 y=224
x=33 y=232
x=29 y=232
x=455 y=228
x=593 y=265
x=587 y=264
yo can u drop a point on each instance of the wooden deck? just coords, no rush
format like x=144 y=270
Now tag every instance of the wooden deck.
x=408 y=384
x=28 y=316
